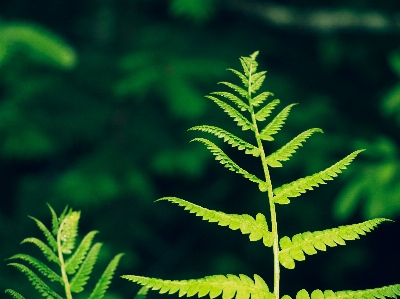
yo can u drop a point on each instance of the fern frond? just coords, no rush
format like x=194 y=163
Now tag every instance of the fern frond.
x=230 y=286
x=294 y=249
x=42 y=268
x=49 y=237
x=72 y=264
x=68 y=231
x=257 y=228
x=142 y=293
x=236 y=88
x=54 y=221
x=275 y=125
x=249 y=64
x=226 y=161
x=37 y=283
x=229 y=138
x=289 y=148
x=300 y=186
x=241 y=105
x=242 y=77
x=14 y=294
x=105 y=279
x=264 y=112
x=81 y=277
x=256 y=80
x=232 y=112
x=258 y=100
x=48 y=253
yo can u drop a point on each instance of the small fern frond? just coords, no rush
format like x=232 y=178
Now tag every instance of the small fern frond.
x=236 y=88
x=81 y=277
x=48 y=253
x=76 y=259
x=105 y=279
x=229 y=138
x=258 y=100
x=275 y=125
x=37 y=283
x=49 y=237
x=300 y=186
x=68 y=231
x=249 y=64
x=257 y=228
x=142 y=293
x=230 y=286
x=256 y=80
x=14 y=294
x=242 y=77
x=289 y=148
x=264 y=112
x=232 y=112
x=54 y=221
x=238 y=102
x=42 y=268
x=226 y=161
x=294 y=249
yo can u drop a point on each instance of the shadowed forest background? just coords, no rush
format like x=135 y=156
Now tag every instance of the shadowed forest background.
x=96 y=98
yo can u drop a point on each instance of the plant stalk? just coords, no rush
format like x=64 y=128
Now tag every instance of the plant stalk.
x=64 y=276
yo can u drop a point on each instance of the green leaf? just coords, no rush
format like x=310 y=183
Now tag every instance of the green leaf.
x=294 y=249
x=14 y=294
x=54 y=221
x=76 y=259
x=242 y=77
x=68 y=231
x=48 y=253
x=256 y=228
x=241 y=105
x=275 y=125
x=256 y=80
x=249 y=64
x=300 y=186
x=142 y=293
x=258 y=100
x=236 y=88
x=263 y=113
x=229 y=138
x=50 y=239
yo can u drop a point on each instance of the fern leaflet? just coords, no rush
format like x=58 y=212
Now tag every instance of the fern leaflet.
x=300 y=186
x=14 y=294
x=242 y=77
x=236 y=88
x=308 y=242
x=76 y=259
x=275 y=125
x=54 y=221
x=230 y=286
x=49 y=237
x=258 y=100
x=256 y=80
x=241 y=105
x=48 y=253
x=257 y=228
x=68 y=231
x=264 y=112
x=142 y=293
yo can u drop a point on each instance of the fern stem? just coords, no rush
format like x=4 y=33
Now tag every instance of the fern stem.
x=64 y=276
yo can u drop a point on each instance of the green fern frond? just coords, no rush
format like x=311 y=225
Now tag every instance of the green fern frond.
x=37 y=283
x=54 y=221
x=76 y=259
x=230 y=286
x=81 y=277
x=275 y=125
x=236 y=88
x=226 y=161
x=229 y=138
x=48 y=253
x=257 y=228
x=42 y=268
x=289 y=148
x=68 y=231
x=256 y=80
x=232 y=112
x=249 y=64
x=258 y=100
x=105 y=279
x=300 y=186
x=49 y=237
x=241 y=105
x=242 y=77
x=14 y=294
x=142 y=293
x=294 y=249
x=264 y=112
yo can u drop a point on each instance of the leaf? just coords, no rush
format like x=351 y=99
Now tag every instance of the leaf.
x=232 y=112
x=37 y=283
x=49 y=237
x=249 y=64
x=226 y=161
x=289 y=148
x=256 y=80
x=236 y=88
x=294 y=249
x=105 y=279
x=42 y=268
x=81 y=277
x=300 y=186
x=275 y=125
x=258 y=100
x=76 y=259
x=242 y=77
x=68 y=231
x=48 y=253
x=229 y=138
x=241 y=105
x=257 y=228
x=142 y=293
x=14 y=294
x=230 y=286
x=263 y=113
x=54 y=221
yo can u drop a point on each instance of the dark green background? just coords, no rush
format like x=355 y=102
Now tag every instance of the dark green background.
x=95 y=101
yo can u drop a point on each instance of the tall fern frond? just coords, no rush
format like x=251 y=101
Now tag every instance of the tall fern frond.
x=47 y=252
x=68 y=231
x=37 y=283
x=232 y=112
x=81 y=277
x=241 y=105
x=264 y=112
x=14 y=294
x=294 y=249
x=49 y=237
x=257 y=228
x=276 y=124
x=236 y=88
x=42 y=268
x=105 y=279
x=229 y=138
x=259 y=99
x=300 y=186
x=289 y=148
x=230 y=286
x=72 y=264
x=226 y=161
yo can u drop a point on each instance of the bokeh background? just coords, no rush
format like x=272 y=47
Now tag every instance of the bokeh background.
x=96 y=98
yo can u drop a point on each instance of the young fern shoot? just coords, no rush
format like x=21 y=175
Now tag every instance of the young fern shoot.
x=70 y=268
x=286 y=250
